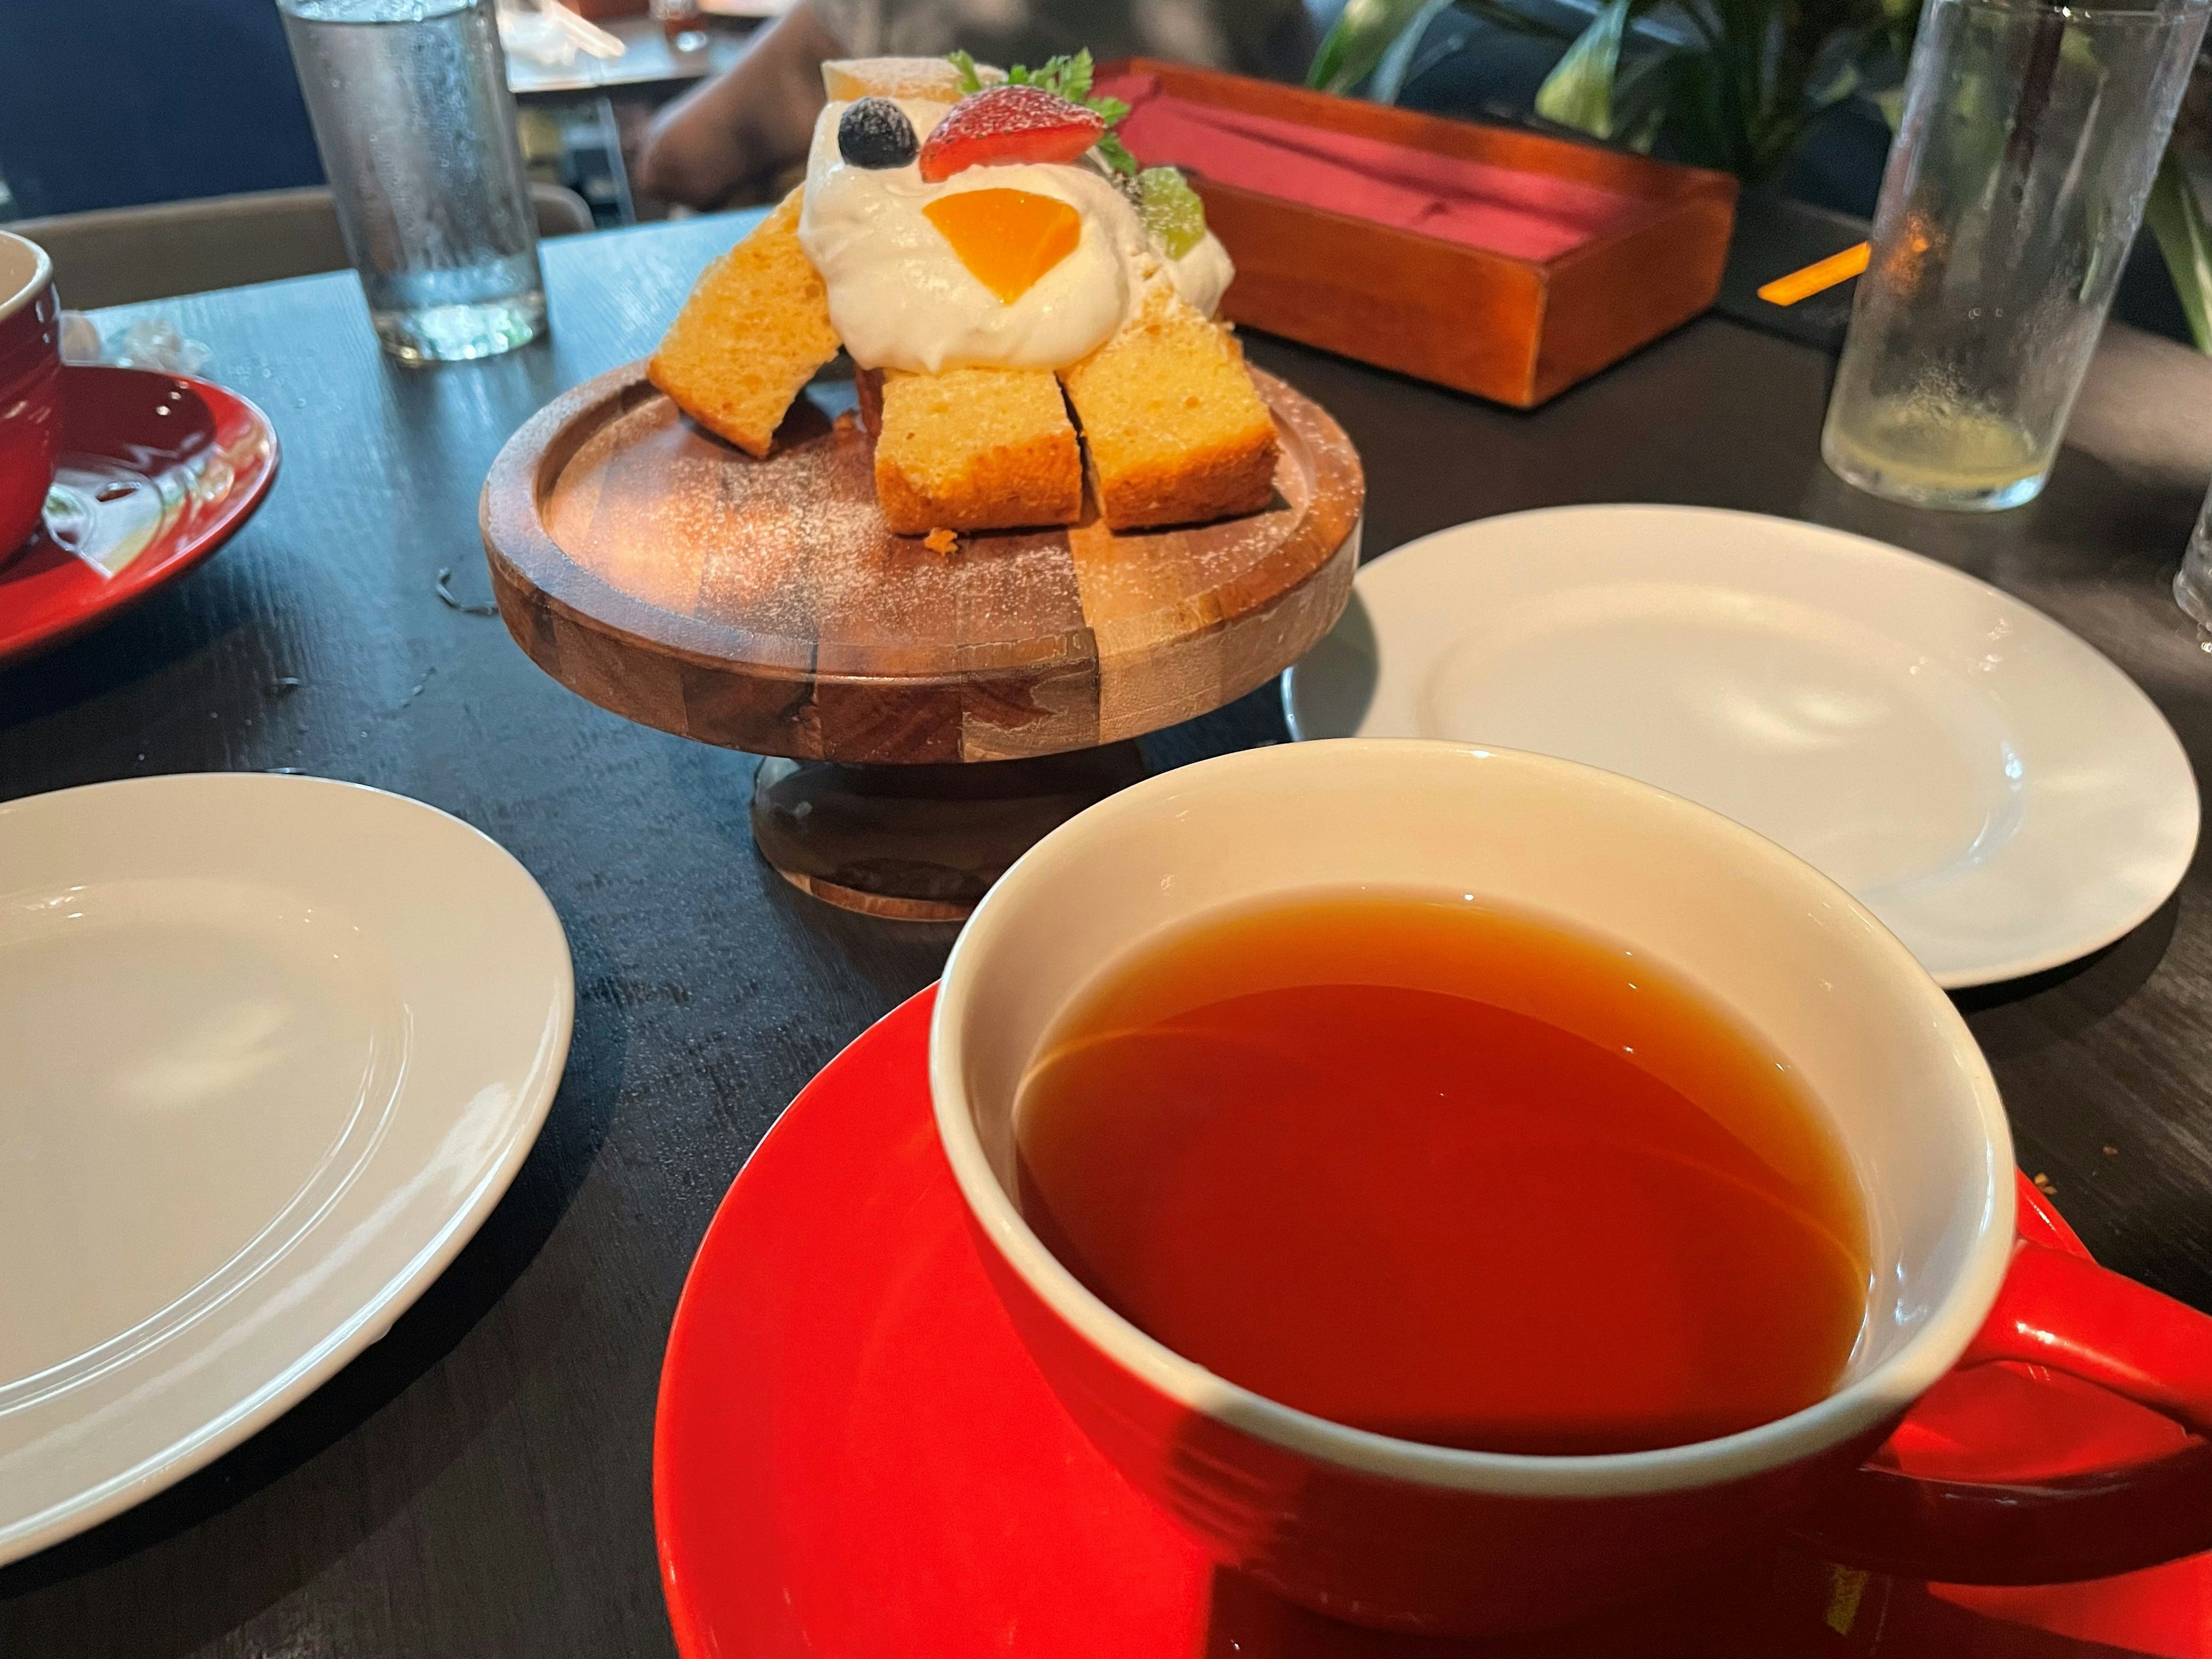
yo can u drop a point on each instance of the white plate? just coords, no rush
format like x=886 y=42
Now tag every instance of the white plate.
x=271 y=1049
x=1999 y=793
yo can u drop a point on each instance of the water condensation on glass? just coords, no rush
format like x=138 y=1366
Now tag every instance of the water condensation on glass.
x=417 y=129
x=2192 y=583
x=2030 y=137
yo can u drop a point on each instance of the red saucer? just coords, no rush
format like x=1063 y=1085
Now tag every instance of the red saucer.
x=157 y=471
x=855 y=1457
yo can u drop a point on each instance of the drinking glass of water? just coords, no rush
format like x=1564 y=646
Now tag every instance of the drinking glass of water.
x=416 y=129
x=2031 y=131
x=681 y=25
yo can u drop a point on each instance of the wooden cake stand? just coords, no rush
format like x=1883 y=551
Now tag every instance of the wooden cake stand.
x=930 y=715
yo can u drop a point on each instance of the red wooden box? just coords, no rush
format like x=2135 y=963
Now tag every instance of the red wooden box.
x=1499 y=262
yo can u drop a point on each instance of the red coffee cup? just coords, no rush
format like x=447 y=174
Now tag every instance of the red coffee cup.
x=30 y=387
x=1402 y=1535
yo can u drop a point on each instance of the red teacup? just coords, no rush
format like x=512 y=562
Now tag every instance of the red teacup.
x=30 y=387
x=1404 y=1536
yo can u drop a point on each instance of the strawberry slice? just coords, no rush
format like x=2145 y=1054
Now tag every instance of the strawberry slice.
x=1007 y=124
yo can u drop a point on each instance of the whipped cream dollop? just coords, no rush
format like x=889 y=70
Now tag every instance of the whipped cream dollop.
x=900 y=297
x=1203 y=275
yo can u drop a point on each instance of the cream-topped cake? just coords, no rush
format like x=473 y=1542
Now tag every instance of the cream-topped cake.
x=902 y=296
x=1000 y=229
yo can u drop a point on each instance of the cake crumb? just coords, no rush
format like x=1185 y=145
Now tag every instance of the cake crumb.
x=2112 y=1151
x=941 y=541
x=2043 y=1185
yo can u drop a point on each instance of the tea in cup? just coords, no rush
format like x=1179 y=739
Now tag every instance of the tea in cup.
x=1462 y=1186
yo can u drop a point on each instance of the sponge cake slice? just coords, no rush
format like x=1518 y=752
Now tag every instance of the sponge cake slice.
x=1176 y=431
x=976 y=449
x=754 y=330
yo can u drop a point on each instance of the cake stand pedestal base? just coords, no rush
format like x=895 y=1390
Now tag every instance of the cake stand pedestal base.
x=921 y=843
x=663 y=574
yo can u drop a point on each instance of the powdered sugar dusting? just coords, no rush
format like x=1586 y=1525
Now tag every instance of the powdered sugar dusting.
x=789 y=563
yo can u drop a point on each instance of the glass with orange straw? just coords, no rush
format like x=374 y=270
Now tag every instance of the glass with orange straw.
x=2030 y=137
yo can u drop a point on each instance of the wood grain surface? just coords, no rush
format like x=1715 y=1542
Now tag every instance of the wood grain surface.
x=764 y=605
x=477 y=1484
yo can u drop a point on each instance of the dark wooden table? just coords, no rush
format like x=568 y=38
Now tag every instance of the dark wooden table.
x=478 y=1483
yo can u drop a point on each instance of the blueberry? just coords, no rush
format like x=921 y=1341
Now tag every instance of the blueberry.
x=874 y=133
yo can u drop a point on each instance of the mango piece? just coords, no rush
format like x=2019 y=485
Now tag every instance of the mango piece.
x=1007 y=238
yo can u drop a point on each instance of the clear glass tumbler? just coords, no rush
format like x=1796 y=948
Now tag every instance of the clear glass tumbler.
x=2192 y=583
x=416 y=129
x=2031 y=135
x=681 y=26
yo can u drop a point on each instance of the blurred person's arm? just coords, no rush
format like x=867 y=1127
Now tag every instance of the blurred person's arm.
x=753 y=121
x=758 y=118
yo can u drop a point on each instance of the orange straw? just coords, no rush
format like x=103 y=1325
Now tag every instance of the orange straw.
x=1823 y=274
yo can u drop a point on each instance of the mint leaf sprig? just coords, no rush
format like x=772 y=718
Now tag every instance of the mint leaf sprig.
x=1067 y=78
x=1111 y=152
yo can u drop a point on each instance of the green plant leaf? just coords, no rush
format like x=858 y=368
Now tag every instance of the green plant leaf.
x=1578 y=92
x=1512 y=18
x=1641 y=92
x=1355 y=45
x=2175 y=219
x=1704 y=119
x=1398 y=63
x=1734 y=84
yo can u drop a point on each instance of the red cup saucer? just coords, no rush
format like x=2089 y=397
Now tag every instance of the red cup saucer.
x=854 y=1455
x=155 y=472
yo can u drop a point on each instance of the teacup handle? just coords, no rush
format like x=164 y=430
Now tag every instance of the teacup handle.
x=2065 y=1313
